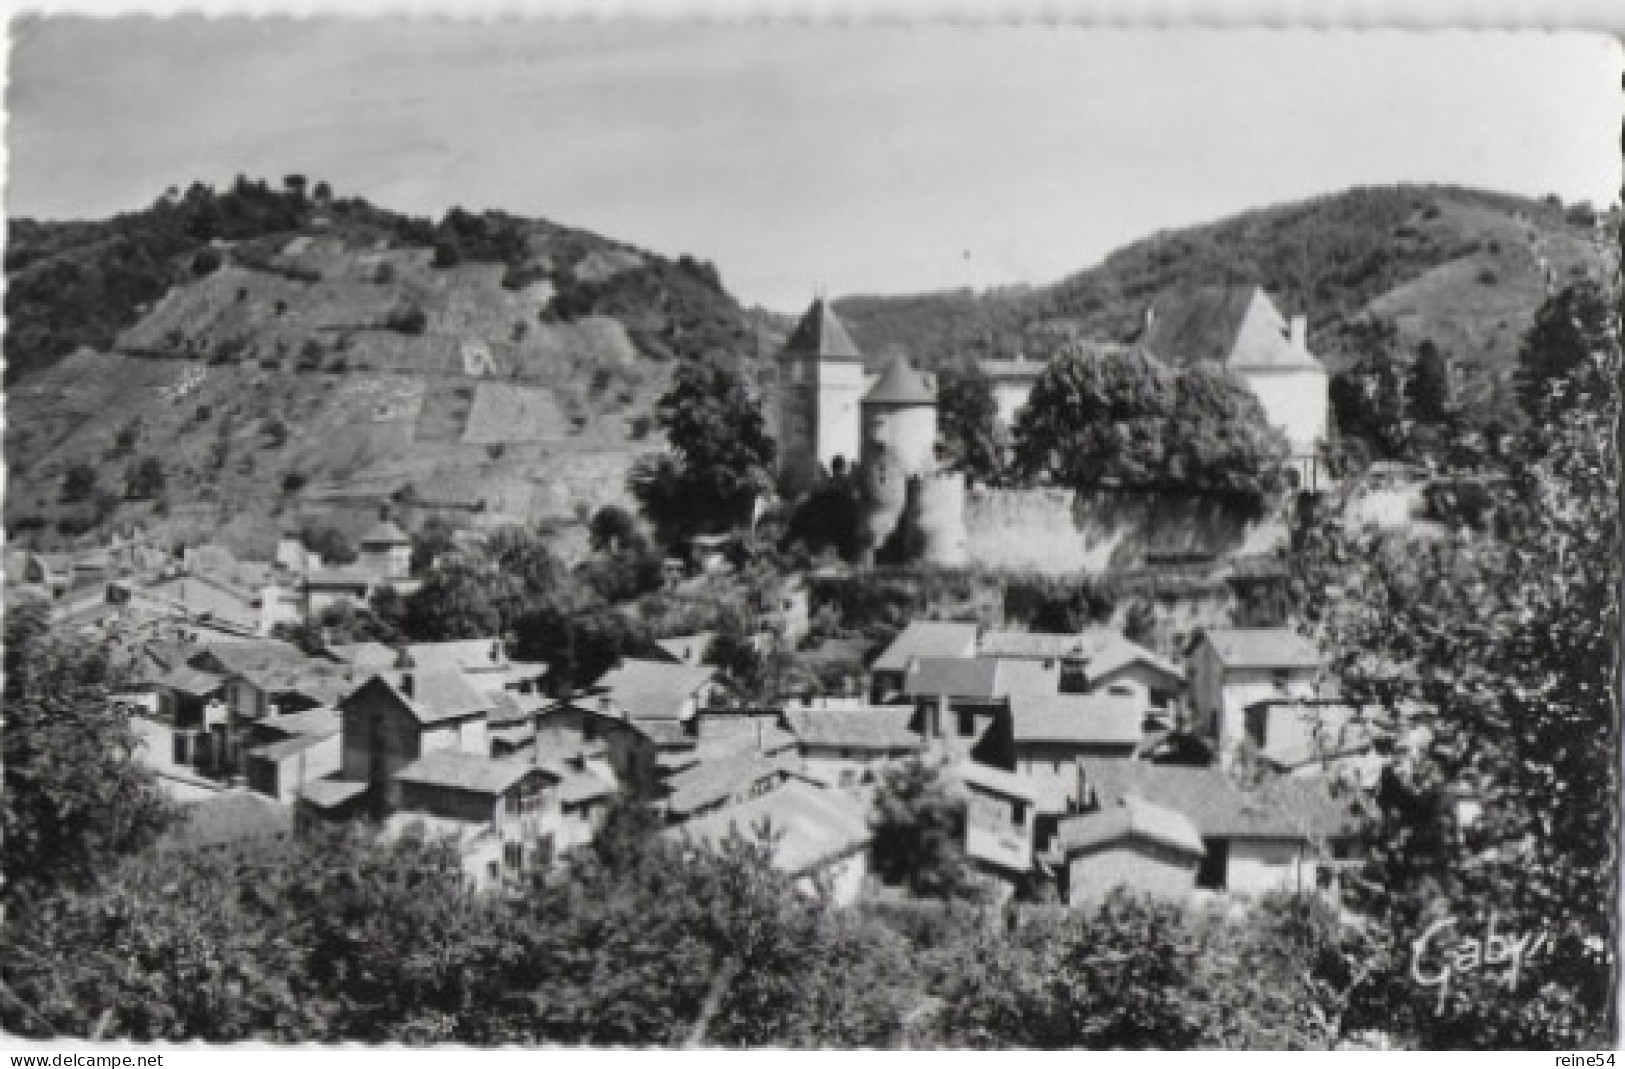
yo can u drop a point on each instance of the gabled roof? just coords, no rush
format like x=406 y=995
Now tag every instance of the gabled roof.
x=1030 y=644
x=1046 y=795
x=384 y=533
x=192 y=681
x=1260 y=647
x=329 y=793
x=365 y=654
x=1131 y=817
x=1105 y=651
x=954 y=677
x=654 y=690
x=276 y=751
x=1293 y=809
x=814 y=826
x=900 y=384
x=461 y=771
x=927 y=638
x=715 y=778
x=821 y=334
x=436 y=696
x=250 y=655
x=1238 y=326
x=879 y=728
x=1083 y=719
x=463 y=655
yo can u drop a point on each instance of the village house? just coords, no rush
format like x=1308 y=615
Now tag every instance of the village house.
x=573 y=723
x=1133 y=844
x=1288 y=835
x=1009 y=818
x=819 y=837
x=287 y=752
x=717 y=781
x=921 y=638
x=503 y=814
x=1011 y=382
x=1050 y=732
x=849 y=747
x=385 y=551
x=1331 y=739
x=1233 y=668
x=394 y=719
x=656 y=690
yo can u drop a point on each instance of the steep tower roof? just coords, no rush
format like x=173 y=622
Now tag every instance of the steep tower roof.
x=821 y=334
x=900 y=384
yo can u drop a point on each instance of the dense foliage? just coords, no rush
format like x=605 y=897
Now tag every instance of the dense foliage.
x=721 y=460
x=1123 y=418
x=968 y=422
x=1506 y=636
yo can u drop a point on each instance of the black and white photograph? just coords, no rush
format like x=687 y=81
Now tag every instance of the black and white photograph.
x=673 y=533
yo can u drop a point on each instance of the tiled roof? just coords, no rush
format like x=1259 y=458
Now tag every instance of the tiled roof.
x=248 y=655
x=193 y=681
x=900 y=384
x=436 y=696
x=1131 y=817
x=1102 y=719
x=956 y=677
x=822 y=334
x=329 y=793
x=1261 y=647
x=715 y=778
x=1030 y=644
x=884 y=727
x=997 y=780
x=1105 y=651
x=927 y=638
x=1288 y=808
x=654 y=689
x=365 y=654
x=467 y=772
x=813 y=826
x=465 y=655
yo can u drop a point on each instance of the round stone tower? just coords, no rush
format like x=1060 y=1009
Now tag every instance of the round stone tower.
x=899 y=440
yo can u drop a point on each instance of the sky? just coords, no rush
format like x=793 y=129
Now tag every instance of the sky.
x=805 y=158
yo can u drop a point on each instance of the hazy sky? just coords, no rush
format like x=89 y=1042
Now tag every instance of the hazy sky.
x=795 y=157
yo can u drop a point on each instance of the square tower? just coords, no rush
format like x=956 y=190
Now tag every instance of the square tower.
x=821 y=387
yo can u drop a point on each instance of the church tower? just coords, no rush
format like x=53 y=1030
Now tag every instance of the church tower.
x=821 y=385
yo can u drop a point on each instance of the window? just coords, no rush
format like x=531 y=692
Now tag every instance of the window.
x=967 y=723
x=1018 y=814
x=513 y=856
x=589 y=728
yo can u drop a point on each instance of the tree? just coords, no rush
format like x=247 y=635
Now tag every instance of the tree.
x=79 y=483
x=1124 y=419
x=919 y=829
x=328 y=542
x=721 y=457
x=1493 y=651
x=433 y=540
x=613 y=529
x=1428 y=386
x=466 y=596
x=1571 y=331
x=144 y=480
x=831 y=516
x=73 y=800
x=968 y=422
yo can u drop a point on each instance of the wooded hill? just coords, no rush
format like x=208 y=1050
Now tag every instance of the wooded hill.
x=281 y=349
x=1377 y=271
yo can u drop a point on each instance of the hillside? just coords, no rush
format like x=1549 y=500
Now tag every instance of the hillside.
x=1456 y=266
x=283 y=355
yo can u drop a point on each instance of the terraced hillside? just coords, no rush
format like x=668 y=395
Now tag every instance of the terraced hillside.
x=504 y=370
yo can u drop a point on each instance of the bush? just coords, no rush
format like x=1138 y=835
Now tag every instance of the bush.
x=206 y=262
x=144 y=480
x=79 y=483
x=1488 y=277
x=293 y=482
x=407 y=319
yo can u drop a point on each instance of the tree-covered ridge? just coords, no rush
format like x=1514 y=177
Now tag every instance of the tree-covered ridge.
x=74 y=285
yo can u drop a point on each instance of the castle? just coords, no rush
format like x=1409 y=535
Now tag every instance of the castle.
x=837 y=419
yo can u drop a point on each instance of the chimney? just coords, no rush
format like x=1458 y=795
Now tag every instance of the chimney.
x=1298 y=332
